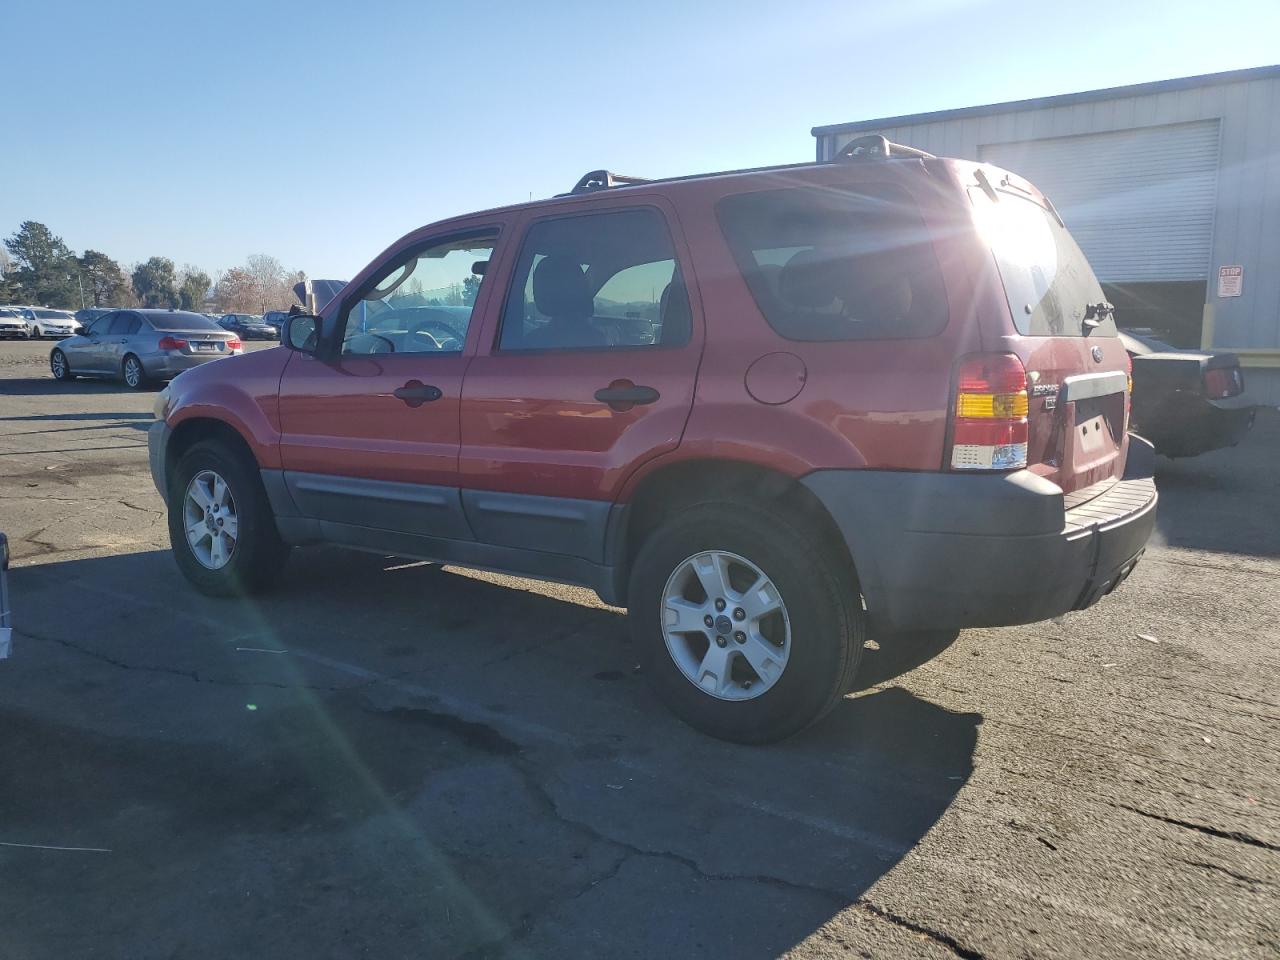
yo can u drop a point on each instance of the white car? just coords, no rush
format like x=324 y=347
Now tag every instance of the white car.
x=45 y=322
x=13 y=324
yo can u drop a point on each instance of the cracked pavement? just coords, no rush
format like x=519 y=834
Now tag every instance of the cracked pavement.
x=389 y=758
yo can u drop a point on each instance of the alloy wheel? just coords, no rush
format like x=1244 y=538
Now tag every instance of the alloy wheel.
x=210 y=520
x=58 y=365
x=132 y=372
x=725 y=625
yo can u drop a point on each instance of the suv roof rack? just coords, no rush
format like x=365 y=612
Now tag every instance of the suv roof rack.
x=875 y=147
x=602 y=180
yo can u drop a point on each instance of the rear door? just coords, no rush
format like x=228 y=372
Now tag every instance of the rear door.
x=590 y=372
x=369 y=430
x=1077 y=368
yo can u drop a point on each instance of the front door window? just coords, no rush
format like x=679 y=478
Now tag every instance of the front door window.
x=422 y=304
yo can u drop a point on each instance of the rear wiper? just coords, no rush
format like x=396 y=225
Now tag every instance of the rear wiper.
x=1095 y=313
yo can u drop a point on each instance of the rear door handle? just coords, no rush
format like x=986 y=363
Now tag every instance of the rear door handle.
x=415 y=393
x=623 y=395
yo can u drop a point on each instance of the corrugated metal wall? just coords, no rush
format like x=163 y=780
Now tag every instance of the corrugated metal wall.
x=1246 y=216
x=1139 y=202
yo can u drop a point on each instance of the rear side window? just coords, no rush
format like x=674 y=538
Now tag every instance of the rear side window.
x=1046 y=277
x=845 y=263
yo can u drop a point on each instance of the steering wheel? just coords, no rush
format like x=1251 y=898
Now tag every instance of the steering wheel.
x=444 y=336
x=391 y=347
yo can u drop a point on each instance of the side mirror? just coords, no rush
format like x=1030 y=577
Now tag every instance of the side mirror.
x=302 y=332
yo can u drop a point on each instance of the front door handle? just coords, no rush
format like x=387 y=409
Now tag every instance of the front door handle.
x=623 y=395
x=415 y=393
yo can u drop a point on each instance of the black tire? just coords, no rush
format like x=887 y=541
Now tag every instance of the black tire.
x=259 y=555
x=822 y=601
x=131 y=367
x=67 y=374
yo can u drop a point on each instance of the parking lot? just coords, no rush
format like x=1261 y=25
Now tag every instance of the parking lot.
x=389 y=759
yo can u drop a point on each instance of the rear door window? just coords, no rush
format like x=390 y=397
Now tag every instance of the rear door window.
x=1046 y=277
x=842 y=263
x=597 y=281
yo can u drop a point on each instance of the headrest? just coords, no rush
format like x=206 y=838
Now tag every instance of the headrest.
x=876 y=289
x=810 y=279
x=561 y=290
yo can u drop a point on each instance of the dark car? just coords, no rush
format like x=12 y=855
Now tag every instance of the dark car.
x=89 y=314
x=765 y=410
x=1186 y=402
x=249 y=327
x=275 y=318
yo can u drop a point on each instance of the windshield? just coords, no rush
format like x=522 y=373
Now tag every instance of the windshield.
x=1049 y=283
x=52 y=314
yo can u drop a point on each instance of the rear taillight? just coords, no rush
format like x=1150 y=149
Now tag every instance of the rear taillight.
x=1222 y=382
x=172 y=343
x=233 y=343
x=989 y=429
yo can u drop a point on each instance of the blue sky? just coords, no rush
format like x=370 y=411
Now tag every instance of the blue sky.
x=319 y=132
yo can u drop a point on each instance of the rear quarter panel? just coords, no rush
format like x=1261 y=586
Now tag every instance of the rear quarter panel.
x=880 y=404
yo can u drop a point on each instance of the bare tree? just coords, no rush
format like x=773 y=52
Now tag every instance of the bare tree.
x=237 y=292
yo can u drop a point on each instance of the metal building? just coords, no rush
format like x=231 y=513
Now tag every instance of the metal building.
x=1171 y=188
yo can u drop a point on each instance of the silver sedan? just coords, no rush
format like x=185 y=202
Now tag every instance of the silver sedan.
x=142 y=346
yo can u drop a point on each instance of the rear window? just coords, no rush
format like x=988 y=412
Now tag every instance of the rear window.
x=1047 y=280
x=846 y=263
x=177 y=320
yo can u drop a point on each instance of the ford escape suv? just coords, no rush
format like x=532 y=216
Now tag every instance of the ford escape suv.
x=765 y=410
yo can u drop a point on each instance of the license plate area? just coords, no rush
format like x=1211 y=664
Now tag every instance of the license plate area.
x=204 y=347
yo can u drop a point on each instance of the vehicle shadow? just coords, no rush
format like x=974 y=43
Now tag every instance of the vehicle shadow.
x=47 y=386
x=392 y=754
x=897 y=653
x=46 y=423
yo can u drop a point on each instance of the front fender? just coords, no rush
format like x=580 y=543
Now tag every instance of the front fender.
x=242 y=392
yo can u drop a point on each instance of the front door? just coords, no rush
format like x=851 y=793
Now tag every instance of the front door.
x=369 y=428
x=85 y=353
x=590 y=373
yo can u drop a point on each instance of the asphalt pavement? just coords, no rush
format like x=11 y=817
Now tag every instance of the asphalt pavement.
x=396 y=759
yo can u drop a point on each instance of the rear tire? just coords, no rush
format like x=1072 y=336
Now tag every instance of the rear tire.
x=133 y=373
x=819 y=600
x=60 y=367
x=256 y=558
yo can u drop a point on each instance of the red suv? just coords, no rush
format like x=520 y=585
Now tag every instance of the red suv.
x=765 y=410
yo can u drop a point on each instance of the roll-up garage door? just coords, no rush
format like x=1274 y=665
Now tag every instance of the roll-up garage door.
x=1139 y=202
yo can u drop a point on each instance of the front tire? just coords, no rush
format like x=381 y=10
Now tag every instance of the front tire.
x=745 y=630
x=60 y=367
x=221 y=528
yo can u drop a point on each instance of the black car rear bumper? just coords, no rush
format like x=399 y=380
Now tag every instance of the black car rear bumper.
x=1185 y=426
x=944 y=550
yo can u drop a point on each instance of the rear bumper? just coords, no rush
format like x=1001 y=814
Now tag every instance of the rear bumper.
x=939 y=550
x=166 y=366
x=1187 y=429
